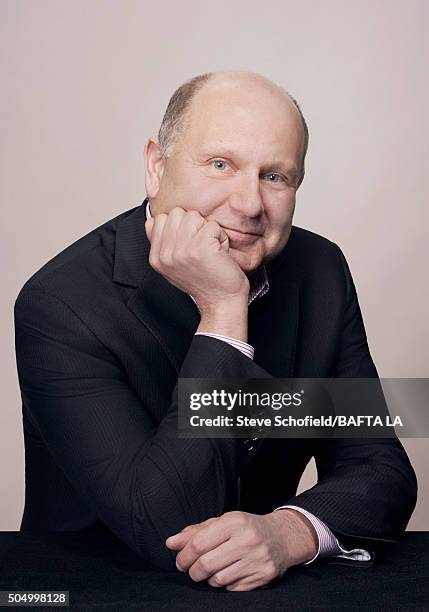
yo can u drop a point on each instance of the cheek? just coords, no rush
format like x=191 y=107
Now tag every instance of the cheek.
x=280 y=214
x=280 y=221
x=210 y=194
x=192 y=191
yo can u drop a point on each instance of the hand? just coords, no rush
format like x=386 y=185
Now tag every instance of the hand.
x=243 y=551
x=194 y=255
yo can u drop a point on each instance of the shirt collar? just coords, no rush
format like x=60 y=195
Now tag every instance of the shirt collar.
x=259 y=284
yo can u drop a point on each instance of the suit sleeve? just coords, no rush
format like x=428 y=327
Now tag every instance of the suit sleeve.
x=139 y=478
x=367 y=488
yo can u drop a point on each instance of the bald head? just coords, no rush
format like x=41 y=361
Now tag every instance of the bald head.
x=197 y=95
x=231 y=147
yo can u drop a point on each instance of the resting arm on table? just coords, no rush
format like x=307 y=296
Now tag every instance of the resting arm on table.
x=367 y=488
x=327 y=543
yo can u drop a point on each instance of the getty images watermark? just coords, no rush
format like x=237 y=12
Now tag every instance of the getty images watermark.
x=282 y=408
x=229 y=401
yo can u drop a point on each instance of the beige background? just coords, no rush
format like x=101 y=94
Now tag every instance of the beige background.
x=85 y=82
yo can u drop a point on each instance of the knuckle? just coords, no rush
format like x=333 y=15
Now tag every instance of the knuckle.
x=203 y=565
x=270 y=569
x=192 y=253
x=197 y=545
x=179 y=254
x=196 y=220
x=193 y=214
x=235 y=515
x=220 y=579
x=212 y=225
x=244 y=520
x=238 y=519
x=159 y=221
x=256 y=540
x=153 y=261
x=194 y=573
x=164 y=256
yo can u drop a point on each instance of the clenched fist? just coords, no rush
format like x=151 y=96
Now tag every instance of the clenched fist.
x=243 y=551
x=194 y=255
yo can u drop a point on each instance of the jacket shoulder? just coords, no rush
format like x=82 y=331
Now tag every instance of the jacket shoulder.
x=309 y=250
x=93 y=249
x=306 y=239
x=311 y=260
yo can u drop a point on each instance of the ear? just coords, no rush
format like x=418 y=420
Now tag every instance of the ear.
x=300 y=180
x=154 y=163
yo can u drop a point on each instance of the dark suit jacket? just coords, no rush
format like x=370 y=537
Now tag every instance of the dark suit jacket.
x=101 y=339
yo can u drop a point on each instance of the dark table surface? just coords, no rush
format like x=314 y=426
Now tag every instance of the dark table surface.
x=102 y=573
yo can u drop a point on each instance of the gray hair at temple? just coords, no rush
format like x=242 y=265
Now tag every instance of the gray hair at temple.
x=173 y=122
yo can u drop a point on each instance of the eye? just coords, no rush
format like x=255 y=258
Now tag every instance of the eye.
x=219 y=164
x=275 y=178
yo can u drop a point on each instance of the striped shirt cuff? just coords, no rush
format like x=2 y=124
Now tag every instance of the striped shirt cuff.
x=244 y=347
x=328 y=543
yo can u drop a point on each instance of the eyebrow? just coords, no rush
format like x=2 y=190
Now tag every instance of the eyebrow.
x=280 y=167
x=277 y=166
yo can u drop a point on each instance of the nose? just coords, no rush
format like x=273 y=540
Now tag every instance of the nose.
x=246 y=198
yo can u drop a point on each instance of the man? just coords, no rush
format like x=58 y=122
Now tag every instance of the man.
x=207 y=279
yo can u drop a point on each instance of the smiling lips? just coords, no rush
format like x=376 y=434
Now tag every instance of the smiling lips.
x=237 y=236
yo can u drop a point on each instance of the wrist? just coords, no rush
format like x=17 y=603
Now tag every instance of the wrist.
x=301 y=542
x=229 y=317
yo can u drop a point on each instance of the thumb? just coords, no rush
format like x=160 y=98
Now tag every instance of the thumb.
x=178 y=541
x=224 y=241
x=217 y=234
x=148 y=227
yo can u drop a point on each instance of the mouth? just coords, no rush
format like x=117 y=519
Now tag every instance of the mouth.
x=240 y=236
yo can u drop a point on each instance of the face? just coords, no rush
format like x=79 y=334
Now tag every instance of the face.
x=236 y=163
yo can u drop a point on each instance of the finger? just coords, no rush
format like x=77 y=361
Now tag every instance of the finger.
x=216 y=560
x=189 y=528
x=214 y=232
x=178 y=540
x=224 y=241
x=242 y=258
x=156 y=237
x=197 y=525
x=250 y=582
x=247 y=584
x=240 y=570
x=205 y=539
x=250 y=579
x=170 y=233
x=190 y=225
x=148 y=227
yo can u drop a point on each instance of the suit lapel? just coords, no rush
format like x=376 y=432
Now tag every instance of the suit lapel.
x=173 y=318
x=273 y=327
x=169 y=313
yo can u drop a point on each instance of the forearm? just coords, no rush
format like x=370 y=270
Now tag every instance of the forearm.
x=357 y=513
x=229 y=318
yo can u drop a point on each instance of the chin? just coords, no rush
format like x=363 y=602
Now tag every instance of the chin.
x=252 y=267
x=249 y=259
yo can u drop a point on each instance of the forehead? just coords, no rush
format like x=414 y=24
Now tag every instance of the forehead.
x=249 y=117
